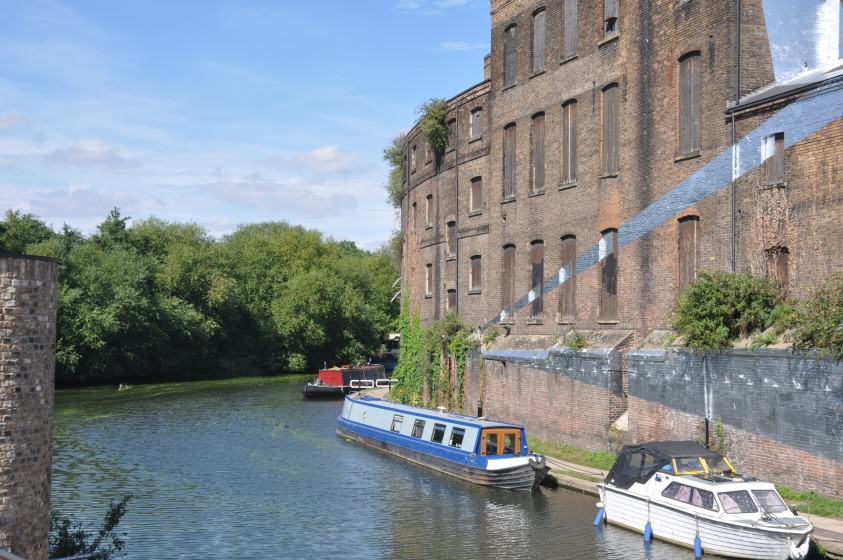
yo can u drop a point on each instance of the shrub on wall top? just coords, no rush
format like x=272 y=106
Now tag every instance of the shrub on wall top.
x=818 y=322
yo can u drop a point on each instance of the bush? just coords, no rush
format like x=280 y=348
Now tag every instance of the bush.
x=435 y=126
x=719 y=308
x=394 y=156
x=818 y=323
x=69 y=538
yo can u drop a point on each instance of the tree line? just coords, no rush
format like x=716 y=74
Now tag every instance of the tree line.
x=156 y=300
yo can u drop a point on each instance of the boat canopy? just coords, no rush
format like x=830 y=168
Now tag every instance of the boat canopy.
x=637 y=463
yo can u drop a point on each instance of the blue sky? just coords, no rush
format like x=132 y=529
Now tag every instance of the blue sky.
x=222 y=113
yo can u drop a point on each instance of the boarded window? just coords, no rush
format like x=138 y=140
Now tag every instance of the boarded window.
x=476 y=202
x=536 y=295
x=610 y=17
x=569 y=142
x=452 y=131
x=538 y=40
x=774 y=158
x=689 y=104
x=568 y=278
x=428 y=210
x=608 y=251
x=475 y=282
x=778 y=261
x=451 y=238
x=451 y=302
x=510 y=51
x=428 y=279
x=537 y=154
x=610 y=129
x=509 y=162
x=570 y=29
x=687 y=251
x=508 y=281
x=413 y=159
x=476 y=123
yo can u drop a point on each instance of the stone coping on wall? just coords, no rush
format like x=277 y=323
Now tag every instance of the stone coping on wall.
x=8 y=255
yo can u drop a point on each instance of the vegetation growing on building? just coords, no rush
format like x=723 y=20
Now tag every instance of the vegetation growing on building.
x=431 y=366
x=434 y=124
x=394 y=157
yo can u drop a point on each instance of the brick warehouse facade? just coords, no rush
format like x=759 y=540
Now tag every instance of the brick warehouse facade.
x=624 y=147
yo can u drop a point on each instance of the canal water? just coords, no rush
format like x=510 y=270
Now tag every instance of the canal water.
x=246 y=468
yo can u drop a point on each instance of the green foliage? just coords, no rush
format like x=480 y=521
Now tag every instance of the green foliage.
x=490 y=334
x=719 y=308
x=596 y=459
x=18 y=231
x=818 y=322
x=811 y=502
x=433 y=122
x=69 y=538
x=394 y=156
x=422 y=372
x=576 y=340
x=157 y=300
x=722 y=442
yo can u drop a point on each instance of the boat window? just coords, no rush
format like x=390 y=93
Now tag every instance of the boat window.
x=689 y=495
x=510 y=444
x=396 y=423
x=438 y=433
x=718 y=465
x=737 y=502
x=688 y=465
x=769 y=501
x=491 y=443
x=457 y=435
x=418 y=428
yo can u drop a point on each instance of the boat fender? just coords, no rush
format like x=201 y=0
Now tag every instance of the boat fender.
x=648 y=532
x=598 y=519
x=801 y=551
x=698 y=550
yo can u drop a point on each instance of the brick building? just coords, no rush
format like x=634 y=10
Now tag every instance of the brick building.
x=616 y=148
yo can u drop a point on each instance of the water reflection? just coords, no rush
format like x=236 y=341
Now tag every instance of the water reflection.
x=248 y=469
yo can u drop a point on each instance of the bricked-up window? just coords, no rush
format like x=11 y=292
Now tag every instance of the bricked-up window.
x=610 y=18
x=509 y=162
x=608 y=252
x=778 y=261
x=568 y=279
x=508 y=292
x=428 y=279
x=536 y=295
x=451 y=301
x=687 y=250
x=774 y=158
x=610 y=130
x=451 y=238
x=538 y=39
x=510 y=55
x=476 y=128
x=537 y=154
x=569 y=142
x=428 y=211
x=475 y=280
x=569 y=31
x=413 y=159
x=689 y=103
x=452 y=131
x=415 y=216
x=476 y=199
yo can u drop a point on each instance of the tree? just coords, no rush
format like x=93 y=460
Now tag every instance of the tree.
x=18 y=231
x=394 y=156
x=69 y=538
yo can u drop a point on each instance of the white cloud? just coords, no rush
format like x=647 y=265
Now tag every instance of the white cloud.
x=90 y=153
x=322 y=161
x=462 y=46
x=430 y=6
x=12 y=120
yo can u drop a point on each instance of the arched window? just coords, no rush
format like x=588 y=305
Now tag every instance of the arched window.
x=569 y=30
x=509 y=162
x=608 y=253
x=476 y=196
x=537 y=154
x=568 y=279
x=689 y=103
x=569 y=142
x=536 y=295
x=687 y=250
x=610 y=130
x=508 y=291
x=475 y=279
x=538 y=39
x=510 y=54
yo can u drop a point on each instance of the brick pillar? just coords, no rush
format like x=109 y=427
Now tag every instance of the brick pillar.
x=28 y=301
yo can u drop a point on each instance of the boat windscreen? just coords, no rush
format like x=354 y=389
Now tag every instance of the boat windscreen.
x=769 y=501
x=637 y=463
x=634 y=467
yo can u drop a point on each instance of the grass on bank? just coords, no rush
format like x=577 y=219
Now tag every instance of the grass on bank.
x=602 y=460
x=811 y=502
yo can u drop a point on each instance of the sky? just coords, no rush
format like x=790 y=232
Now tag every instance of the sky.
x=222 y=113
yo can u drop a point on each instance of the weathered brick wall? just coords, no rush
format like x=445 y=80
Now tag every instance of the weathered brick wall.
x=28 y=301
x=783 y=413
x=559 y=395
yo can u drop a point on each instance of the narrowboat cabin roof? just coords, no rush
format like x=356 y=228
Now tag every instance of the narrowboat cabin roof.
x=436 y=414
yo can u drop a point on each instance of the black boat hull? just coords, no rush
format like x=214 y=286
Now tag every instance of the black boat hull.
x=312 y=391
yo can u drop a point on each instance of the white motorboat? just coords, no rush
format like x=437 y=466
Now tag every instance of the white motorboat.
x=683 y=493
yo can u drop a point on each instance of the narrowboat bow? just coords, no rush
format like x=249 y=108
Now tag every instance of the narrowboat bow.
x=473 y=449
x=681 y=492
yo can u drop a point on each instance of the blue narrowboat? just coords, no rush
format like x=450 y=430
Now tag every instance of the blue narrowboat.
x=473 y=449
